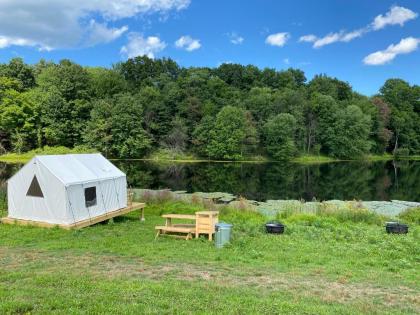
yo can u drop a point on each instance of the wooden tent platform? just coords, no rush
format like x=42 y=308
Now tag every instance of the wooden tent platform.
x=81 y=224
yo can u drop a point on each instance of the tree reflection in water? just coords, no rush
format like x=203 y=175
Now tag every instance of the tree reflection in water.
x=262 y=181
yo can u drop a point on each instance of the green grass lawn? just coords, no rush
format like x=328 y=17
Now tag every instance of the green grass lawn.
x=319 y=266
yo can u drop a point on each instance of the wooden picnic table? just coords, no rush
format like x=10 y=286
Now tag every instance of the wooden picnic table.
x=204 y=222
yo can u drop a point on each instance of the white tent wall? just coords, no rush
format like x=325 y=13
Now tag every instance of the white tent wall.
x=62 y=180
x=51 y=208
x=111 y=194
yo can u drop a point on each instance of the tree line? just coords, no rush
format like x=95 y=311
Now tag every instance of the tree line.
x=231 y=112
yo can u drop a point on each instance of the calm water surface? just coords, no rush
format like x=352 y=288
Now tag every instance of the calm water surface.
x=343 y=180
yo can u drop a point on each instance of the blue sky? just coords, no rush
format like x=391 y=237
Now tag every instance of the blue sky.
x=350 y=40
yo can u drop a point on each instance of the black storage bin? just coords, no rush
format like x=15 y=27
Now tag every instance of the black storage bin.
x=396 y=228
x=274 y=227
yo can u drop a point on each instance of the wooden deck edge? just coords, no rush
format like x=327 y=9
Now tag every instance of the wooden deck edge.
x=77 y=225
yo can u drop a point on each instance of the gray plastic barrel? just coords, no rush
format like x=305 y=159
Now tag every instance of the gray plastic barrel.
x=223 y=232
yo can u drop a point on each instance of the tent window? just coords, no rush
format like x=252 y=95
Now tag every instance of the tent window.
x=90 y=196
x=34 y=189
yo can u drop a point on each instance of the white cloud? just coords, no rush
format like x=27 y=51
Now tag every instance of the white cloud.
x=328 y=39
x=278 y=39
x=6 y=41
x=286 y=61
x=52 y=24
x=235 y=38
x=188 y=43
x=396 y=15
x=338 y=37
x=308 y=38
x=346 y=37
x=100 y=33
x=139 y=46
x=405 y=46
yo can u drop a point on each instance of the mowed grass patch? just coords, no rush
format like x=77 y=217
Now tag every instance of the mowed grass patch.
x=319 y=266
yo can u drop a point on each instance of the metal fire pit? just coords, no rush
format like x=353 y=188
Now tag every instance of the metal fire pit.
x=396 y=228
x=274 y=227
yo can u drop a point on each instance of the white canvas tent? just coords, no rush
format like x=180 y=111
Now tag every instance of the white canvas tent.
x=66 y=189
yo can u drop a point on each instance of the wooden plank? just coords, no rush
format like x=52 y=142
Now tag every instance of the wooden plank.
x=107 y=216
x=191 y=226
x=22 y=222
x=179 y=216
x=175 y=229
x=77 y=225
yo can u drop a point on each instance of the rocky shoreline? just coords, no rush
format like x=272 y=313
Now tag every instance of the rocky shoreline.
x=271 y=207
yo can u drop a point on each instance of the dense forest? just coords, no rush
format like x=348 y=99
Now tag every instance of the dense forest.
x=231 y=112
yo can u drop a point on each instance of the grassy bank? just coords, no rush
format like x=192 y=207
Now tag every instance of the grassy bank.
x=323 y=264
x=26 y=156
x=185 y=157
x=314 y=159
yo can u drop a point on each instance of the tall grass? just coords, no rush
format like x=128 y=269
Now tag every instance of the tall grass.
x=348 y=213
x=411 y=216
x=3 y=198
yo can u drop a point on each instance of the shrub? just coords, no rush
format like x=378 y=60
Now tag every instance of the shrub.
x=411 y=216
x=304 y=218
x=402 y=152
x=245 y=221
x=350 y=214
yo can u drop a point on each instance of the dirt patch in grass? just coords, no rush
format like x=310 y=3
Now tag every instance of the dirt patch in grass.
x=111 y=267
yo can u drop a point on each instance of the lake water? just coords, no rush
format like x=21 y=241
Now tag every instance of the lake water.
x=262 y=181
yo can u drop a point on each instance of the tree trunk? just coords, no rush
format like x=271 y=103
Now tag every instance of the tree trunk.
x=396 y=143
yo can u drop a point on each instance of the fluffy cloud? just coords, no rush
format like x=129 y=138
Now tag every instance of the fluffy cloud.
x=100 y=33
x=396 y=15
x=51 y=24
x=235 y=38
x=188 y=43
x=138 y=46
x=278 y=39
x=405 y=46
x=334 y=37
x=308 y=38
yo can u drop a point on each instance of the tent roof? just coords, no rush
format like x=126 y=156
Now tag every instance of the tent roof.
x=79 y=168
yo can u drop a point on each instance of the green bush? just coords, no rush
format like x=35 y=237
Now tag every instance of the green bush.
x=355 y=215
x=402 y=152
x=338 y=215
x=245 y=221
x=411 y=216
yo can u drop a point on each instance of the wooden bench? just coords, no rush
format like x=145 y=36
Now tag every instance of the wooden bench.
x=176 y=229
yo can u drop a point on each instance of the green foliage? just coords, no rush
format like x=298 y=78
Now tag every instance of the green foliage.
x=401 y=152
x=404 y=123
x=350 y=133
x=232 y=132
x=70 y=79
x=18 y=70
x=216 y=113
x=279 y=133
x=106 y=82
x=411 y=216
x=333 y=214
x=116 y=127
